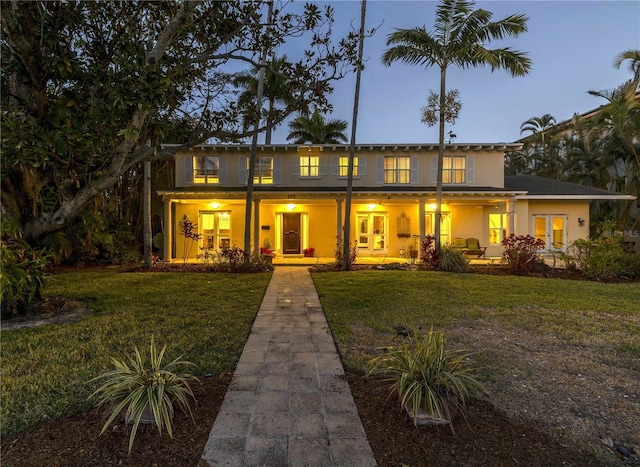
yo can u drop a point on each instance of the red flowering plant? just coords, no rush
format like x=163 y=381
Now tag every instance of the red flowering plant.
x=309 y=252
x=521 y=252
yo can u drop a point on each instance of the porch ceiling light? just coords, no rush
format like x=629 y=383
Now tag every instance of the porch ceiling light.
x=372 y=206
x=432 y=207
x=214 y=205
x=291 y=206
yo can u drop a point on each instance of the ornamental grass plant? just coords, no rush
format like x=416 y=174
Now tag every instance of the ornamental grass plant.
x=141 y=386
x=428 y=377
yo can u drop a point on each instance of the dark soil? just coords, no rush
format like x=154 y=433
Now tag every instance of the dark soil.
x=489 y=439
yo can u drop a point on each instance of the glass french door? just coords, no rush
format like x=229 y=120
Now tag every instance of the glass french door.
x=372 y=233
x=445 y=226
x=552 y=231
x=215 y=230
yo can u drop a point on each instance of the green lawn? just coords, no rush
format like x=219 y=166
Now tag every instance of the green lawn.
x=205 y=317
x=363 y=307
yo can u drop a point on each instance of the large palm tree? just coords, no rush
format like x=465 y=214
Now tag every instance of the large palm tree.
x=545 y=146
x=634 y=62
x=460 y=37
x=615 y=130
x=538 y=125
x=316 y=130
x=275 y=91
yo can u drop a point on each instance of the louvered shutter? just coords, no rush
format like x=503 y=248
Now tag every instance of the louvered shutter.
x=434 y=169
x=322 y=170
x=277 y=170
x=222 y=170
x=188 y=170
x=362 y=165
x=415 y=170
x=470 y=175
x=380 y=170
x=242 y=170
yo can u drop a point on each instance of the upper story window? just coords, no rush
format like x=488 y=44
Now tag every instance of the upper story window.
x=497 y=228
x=263 y=174
x=454 y=169
x=266 y=171
x=344 y=166
x=206 y=169
x=309 y=166
x=397 y=169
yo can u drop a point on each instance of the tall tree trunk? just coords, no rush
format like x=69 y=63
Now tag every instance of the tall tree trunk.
x=254 y=148
x=146 y=236
x=352 y=149
x=438 y=216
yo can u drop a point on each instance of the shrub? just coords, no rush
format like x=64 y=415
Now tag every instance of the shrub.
x=452 y=260
x=428 y=255
x=602 y=259
x=521 y=253
x=235 y=259
x=339 y=255
x=449 y=260
x=22 y=272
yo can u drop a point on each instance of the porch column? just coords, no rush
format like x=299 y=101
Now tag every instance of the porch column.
x=422 y=220
x=339 y=220
x=511 y=217
x=256 y=225
x=168 y=230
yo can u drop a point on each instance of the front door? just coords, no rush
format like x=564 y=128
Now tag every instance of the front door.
x=551 y=230
x=291 y=233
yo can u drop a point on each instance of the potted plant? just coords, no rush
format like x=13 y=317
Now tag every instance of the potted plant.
x=144 y=391
x=266 y=252
x=432 y=382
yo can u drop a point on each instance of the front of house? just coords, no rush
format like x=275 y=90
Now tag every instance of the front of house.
x=300 y=191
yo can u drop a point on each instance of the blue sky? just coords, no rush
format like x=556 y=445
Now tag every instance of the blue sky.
x=572 y=45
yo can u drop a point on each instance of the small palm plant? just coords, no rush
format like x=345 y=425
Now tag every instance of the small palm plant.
x=428 y=378
x=137 y=388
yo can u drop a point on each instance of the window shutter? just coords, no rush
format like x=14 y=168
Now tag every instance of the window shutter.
x=335 y=166
x=242 y=170
x=188 y=169
x=380 y=170
x=362 y=165
x=415 y=170
x=434 y=169
x=295 y=166
x=277 y=170
x=322 y=170
x=470 y=175
x=222 y=172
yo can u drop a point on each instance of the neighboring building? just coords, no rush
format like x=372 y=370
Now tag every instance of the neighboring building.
x=299 y=198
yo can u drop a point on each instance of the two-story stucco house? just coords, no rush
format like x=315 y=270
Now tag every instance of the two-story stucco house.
x=299 y=199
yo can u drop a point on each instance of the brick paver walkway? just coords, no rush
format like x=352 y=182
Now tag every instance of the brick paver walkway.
x=288 y=403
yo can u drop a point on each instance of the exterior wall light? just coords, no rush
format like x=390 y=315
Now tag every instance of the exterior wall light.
x=291 y=206
x=214 y=205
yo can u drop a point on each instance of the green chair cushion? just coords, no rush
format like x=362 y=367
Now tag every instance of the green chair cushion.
x=459 y=243
x=473 y=243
